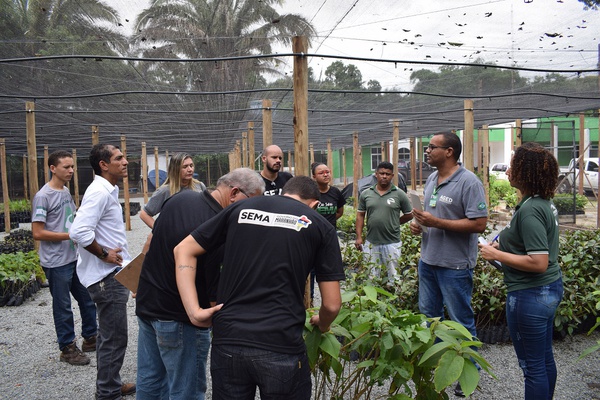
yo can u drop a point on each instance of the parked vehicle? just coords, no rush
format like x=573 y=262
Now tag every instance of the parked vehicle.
x=499 y=171
x=404 y=169
x=569 y=177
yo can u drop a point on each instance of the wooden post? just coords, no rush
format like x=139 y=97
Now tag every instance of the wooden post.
x=518 y=133
x=156 y=169
x=330 y=160
x=5 y=198
x=468 y=135
x=420 y=159
x=238 y=155
x=357 y=155
x=127 y=211
x=251 y=148
x=300 y=45
x=344 y=166
x=75 y=178
x=144 y=173
x=290 y=163
x=31 y=149
x=484 y=138
x=267 y=115
x=413 y=163
x=384 y=152
x=312 y=154
x=395 y=139
x=46 y=168
x=25 y=180
x=231 y=161
x=245 y=162
x=582 y=147
x=95 y=135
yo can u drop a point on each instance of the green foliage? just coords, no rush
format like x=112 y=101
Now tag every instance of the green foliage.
x=374 y=343
x=19 y=267
x=502 y=190
x=17 y=206
x=564 y=203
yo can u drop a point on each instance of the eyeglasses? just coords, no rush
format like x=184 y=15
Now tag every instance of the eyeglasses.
x=240 y=190
x=325 y=172
x=432 y=147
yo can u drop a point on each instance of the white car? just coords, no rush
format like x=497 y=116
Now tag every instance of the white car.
x=499 y=171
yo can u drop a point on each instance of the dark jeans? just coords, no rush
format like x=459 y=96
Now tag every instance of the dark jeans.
x=236 y=371
x=63 y=282
x=530 y=317
x=111 y=302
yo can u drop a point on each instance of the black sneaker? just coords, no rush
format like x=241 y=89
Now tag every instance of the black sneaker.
x=72 y=355
x=458 y=392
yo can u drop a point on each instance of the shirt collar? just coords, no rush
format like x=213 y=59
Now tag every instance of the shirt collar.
x=104 y=182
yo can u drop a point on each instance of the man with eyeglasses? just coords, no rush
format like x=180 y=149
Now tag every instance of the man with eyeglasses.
x=454 y=213
x=386 y=207
x=172 y=352
x=271 y=173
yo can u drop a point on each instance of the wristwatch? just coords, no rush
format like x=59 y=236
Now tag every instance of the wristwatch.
x=104 y=254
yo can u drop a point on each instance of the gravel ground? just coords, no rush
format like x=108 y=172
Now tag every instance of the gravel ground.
x=30 y=367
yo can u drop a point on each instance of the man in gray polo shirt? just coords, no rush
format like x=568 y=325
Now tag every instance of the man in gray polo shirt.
x=455 y=212
x=386 y=208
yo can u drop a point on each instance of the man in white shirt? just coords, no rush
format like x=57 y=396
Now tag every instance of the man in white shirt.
x=99 y=233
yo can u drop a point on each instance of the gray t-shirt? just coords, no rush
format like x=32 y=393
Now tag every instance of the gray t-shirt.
x=460 y=196
x=162 y=194
x=56 y=209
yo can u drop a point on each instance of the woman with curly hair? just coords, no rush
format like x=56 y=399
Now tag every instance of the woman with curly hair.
x=180 y=176
x=528 y=252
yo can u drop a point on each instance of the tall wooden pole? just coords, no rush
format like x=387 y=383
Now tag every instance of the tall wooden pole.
x=126 y=182
x=468 y=135
x=395 y=139
x=484 y=138
x=330 y=160
x=518 y=133
x=300 y=46
x=582 y=147
x=46 y=168
x=31 y=149
x=289 y=163
x=95 y=135
x=75 y=178
x=267 y=115
x=25 y=180
x=357 y=155
x=312 y=154
x=5 y=198
x=251 y=147
x=144 y=173
x=413 y=163
x=245 y=161
x=156 y=169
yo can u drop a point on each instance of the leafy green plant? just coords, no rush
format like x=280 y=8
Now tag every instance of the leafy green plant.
x=564 y=203
x=17 y=205
x=502 y=190
x=19 y=275
x=374 y=343
x=595 y=347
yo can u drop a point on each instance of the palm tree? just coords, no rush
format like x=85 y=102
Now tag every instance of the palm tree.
x=213 y=29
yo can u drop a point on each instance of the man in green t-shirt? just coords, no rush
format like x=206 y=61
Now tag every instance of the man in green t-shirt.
x=386 y=208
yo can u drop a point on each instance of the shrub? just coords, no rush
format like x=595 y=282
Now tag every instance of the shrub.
x=564 y=203
x=502 y=190
x=19 y=275
x=373 y=342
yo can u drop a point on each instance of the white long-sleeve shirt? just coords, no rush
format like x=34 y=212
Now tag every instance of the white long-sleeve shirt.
x=99 y=217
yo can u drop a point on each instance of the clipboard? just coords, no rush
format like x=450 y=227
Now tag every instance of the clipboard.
x=416 y=204
x=129 y=276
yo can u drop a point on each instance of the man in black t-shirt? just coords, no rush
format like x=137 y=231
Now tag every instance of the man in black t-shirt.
x=172 y=352
x=271 y=173
x=271 y=244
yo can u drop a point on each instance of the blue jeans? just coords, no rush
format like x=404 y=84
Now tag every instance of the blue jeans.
x=171 y=360
x=63 y=282
x=453 y=288
x=111 y=302
x=236 y=371
x=530 y=317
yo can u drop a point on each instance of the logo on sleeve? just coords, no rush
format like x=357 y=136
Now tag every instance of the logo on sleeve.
x=481 y=206
x=264 y=218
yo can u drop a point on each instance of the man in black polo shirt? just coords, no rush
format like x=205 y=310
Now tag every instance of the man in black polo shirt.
x=271 y=173
x=271 y=244
x=172 y=352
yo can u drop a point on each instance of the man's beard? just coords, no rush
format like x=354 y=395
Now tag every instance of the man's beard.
x=272 y=169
